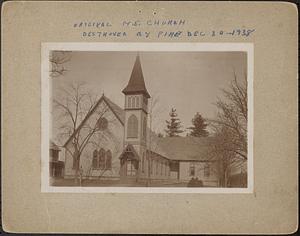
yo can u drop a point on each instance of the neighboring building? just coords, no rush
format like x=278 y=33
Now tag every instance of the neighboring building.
x=126 y=149
x=56 y=167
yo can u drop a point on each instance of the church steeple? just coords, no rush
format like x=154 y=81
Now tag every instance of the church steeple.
x=136 y=116
x=136 y=84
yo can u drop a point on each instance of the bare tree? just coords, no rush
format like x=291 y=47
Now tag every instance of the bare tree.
x=230 y=129
x=71 y=108
x=105 y=136
x=58 y=59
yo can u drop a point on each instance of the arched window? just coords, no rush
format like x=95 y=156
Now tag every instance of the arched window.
x=102 y=159
x=133 y=102
x=144 y=127
x=95 y=159
x=102 y=123
x=132 y=127
x=137 y=102
x=129 y=102
x=108 y=159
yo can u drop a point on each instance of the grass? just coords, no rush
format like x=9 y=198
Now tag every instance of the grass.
x=60 y=182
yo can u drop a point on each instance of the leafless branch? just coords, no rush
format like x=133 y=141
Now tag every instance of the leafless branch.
x=58 y=59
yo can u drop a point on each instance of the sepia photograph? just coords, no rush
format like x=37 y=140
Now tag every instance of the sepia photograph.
x=149 y=118
x=136 y=119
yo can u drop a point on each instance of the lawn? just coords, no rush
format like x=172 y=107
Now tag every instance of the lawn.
x=60 y=182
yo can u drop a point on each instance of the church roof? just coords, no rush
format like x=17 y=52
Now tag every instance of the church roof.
x=129 y=152
x=183 y=148
x=118 y=111
x=136 y=82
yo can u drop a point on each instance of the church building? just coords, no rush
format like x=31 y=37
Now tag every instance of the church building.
x=125 y=149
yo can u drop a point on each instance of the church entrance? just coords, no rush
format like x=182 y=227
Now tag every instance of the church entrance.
x=129 y=164
x=130 y=168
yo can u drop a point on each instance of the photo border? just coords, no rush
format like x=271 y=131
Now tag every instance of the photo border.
x=46 y=47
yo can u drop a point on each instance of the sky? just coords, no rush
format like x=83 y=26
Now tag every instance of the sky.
x=191 y=82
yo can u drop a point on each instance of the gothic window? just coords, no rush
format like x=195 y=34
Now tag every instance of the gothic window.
x=102 y=159
x=144 y=127
x=133 y=102
x=95 y=159
x=137 y=102
x=132 y=127
x=108 y=160
x=192 y=169
x=206 y=170
x=102 y=123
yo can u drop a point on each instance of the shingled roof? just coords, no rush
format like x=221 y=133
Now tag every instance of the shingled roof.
x=183 y=148
x=136 y=82
x=118 y=111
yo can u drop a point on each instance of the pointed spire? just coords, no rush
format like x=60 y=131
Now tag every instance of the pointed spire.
x=136 y=82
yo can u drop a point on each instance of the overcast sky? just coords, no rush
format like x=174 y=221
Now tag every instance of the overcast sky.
x=187 y=81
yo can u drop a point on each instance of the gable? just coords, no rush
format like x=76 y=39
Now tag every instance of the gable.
x=117 y=111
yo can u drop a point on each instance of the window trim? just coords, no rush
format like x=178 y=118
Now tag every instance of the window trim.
x=95 y=159
x=102 y=159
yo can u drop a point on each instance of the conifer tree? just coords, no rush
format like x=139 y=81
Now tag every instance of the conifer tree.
x=199 y=126
x=173 y=125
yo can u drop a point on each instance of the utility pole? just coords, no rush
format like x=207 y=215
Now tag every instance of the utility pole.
x=149 y=156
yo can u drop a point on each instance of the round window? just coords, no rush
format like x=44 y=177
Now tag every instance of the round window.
x=102 y=123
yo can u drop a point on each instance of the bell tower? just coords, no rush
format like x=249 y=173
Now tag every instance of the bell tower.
x=136 y=110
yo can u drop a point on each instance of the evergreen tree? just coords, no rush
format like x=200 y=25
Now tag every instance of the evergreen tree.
x=199 y=126
x=173 y=125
